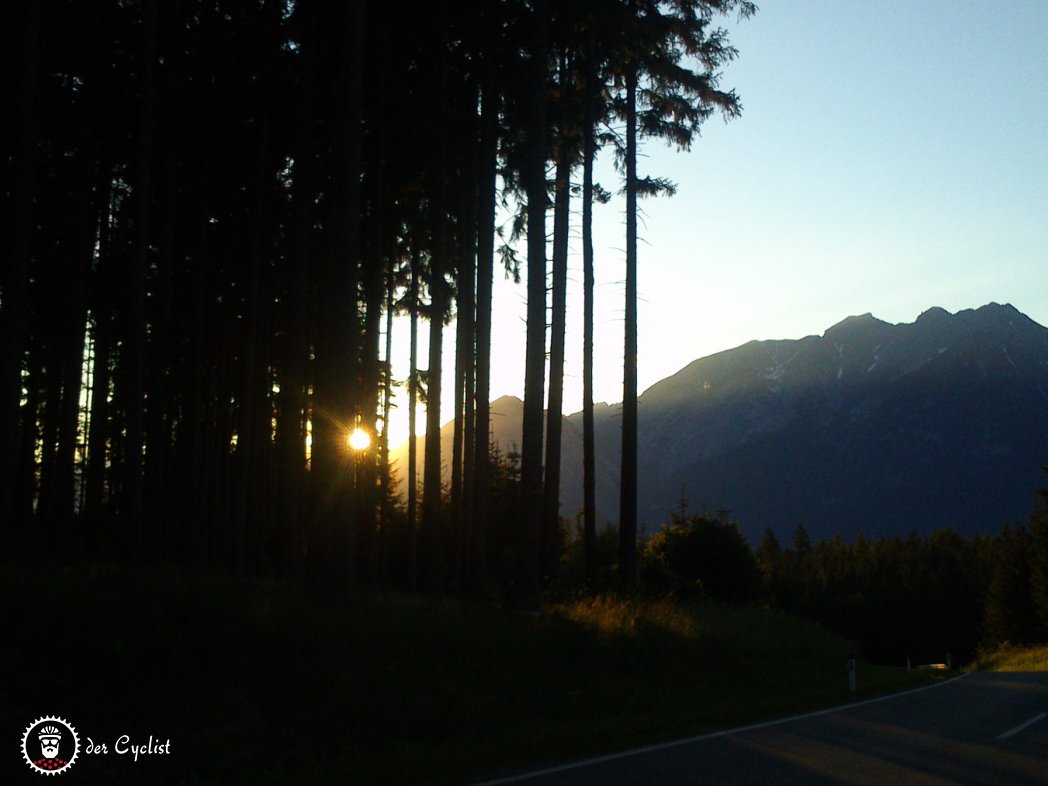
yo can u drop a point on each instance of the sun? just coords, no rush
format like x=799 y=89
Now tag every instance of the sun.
x=359 y=439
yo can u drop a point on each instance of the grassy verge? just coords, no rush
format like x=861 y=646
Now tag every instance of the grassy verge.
x=1008 y=658
x=260 y=684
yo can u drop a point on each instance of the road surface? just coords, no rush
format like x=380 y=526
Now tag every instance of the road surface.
x=978 y=729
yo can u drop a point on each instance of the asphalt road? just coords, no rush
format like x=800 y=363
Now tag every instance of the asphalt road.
x=978 y=729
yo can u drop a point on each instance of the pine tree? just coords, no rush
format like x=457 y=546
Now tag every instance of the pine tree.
x=534 y=177
x=671 y=105
x=1038 y=556
x=18 y=230
x=486 y=200
x=1011 y=613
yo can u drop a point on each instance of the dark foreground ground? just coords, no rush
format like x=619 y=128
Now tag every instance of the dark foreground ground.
x=259 y=683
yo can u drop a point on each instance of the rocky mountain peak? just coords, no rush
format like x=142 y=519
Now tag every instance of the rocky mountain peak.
x=871 y=426
x=862 y=330
x=934 y=316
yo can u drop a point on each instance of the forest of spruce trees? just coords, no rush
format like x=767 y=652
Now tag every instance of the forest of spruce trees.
x=212 y=212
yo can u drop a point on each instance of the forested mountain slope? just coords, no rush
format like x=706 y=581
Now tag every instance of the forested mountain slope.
x=874 y=427
x=870 y=427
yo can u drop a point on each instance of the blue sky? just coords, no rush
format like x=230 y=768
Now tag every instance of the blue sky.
x=892 y=155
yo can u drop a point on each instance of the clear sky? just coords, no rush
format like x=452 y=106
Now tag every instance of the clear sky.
x=892 y=155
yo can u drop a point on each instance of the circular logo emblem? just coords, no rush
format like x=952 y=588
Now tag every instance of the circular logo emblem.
x=50 y=745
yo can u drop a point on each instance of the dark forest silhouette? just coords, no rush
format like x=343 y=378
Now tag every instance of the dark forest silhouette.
x=211 y=213
x=213 y=210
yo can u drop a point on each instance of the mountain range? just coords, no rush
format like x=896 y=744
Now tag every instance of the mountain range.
x=871 y=427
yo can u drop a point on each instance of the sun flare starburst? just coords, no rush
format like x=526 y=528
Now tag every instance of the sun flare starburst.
x=359 y=439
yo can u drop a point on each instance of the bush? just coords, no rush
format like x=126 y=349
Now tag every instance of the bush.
x=701 y=554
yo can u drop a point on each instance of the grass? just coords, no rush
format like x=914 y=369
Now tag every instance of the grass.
x=256 y=683
x=1010 y=658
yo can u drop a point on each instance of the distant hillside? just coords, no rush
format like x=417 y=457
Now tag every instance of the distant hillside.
x=874 y=427
x=507 y=414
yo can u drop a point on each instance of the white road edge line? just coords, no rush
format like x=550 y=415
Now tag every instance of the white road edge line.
x=1021 y=726
x=714 y=735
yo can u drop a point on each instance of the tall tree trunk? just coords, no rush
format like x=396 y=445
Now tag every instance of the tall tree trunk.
x=291 y=437
x=103 y=337
x=432 y=528
x=195 y=454
x=15 y=273
x=387 y=407
x=589 y=506
x=134 y=354
x=375 y=296
x=462 y=479
x=456 y=533
x=94 y=477
x=249 y=514
x=74 y=317
x=374 y=279
x=628 y=479
x=26 y=488
x=72 y=265
x=485 y=263
x=336 y=353
x=354 y=63
x=535 y=353
x=412 y=477
x=157 y=423
x=50 y=349
x=555 y=409
x=469 y=478
x=97 y=454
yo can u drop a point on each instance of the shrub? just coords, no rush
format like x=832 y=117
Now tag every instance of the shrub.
x=701 y=553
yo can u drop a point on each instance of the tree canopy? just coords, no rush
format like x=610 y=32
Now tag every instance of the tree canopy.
x=212 y=210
